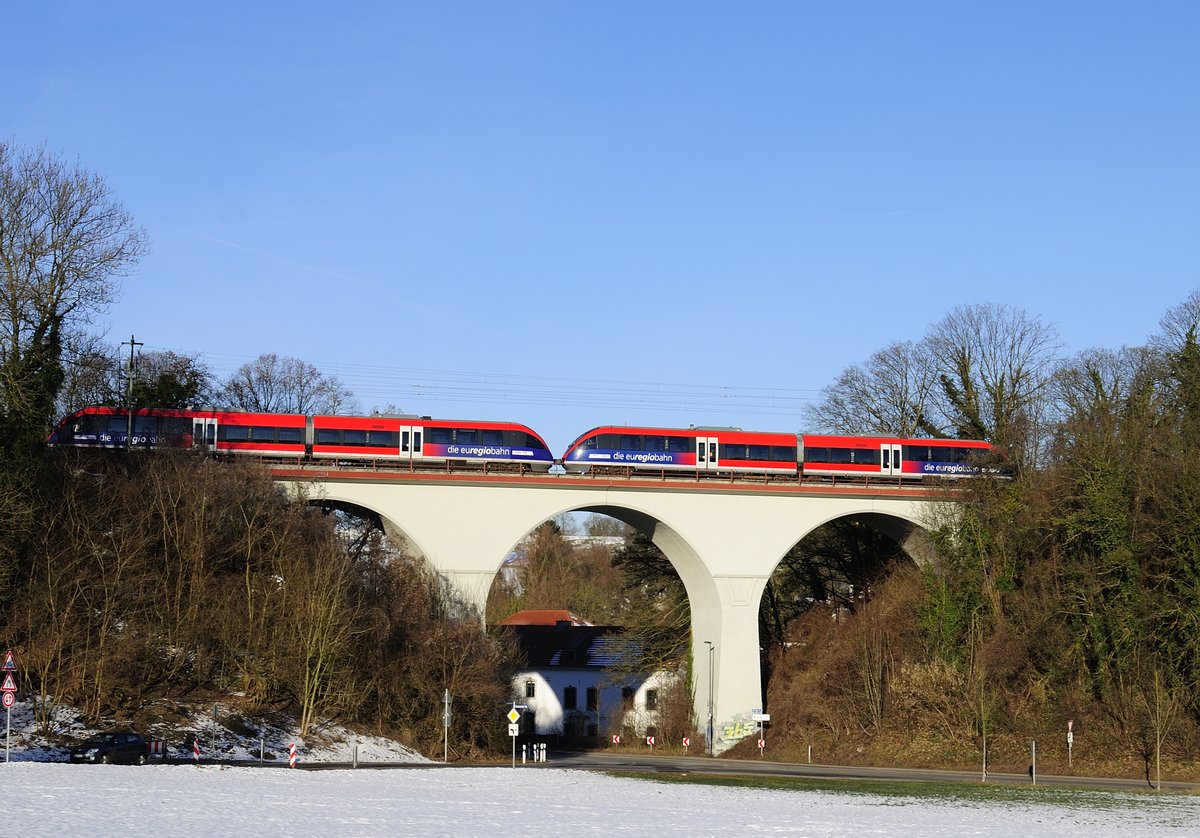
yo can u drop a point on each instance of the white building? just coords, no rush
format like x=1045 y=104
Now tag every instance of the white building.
x=570 y=688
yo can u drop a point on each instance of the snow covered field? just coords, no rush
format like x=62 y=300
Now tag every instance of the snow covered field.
x=61 y=799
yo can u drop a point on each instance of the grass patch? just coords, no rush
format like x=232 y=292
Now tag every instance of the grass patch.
x=1183 y=808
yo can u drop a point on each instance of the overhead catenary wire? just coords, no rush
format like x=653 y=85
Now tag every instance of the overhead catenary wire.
x=410 y=388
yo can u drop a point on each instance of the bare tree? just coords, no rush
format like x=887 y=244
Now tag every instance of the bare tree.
x=271 y=384
x=1176 y=324
x=994 y=364
x=890 y=394
x=63 y=240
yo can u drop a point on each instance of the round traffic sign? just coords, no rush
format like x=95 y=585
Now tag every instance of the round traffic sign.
x=9 y=699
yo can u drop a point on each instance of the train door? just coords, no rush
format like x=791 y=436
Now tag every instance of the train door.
x=412 y=443
x=889 y=460
x=707 y=458
x=204 y=433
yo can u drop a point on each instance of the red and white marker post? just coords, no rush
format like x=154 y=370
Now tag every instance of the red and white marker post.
x=292 y=755
x=196 y=750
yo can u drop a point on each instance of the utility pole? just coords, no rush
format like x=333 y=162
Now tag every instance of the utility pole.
x=133 y=344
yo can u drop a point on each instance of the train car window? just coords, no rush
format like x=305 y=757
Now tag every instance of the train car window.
x=262 y=434
x=783 y=454
x=465 y=436
x=630 y=443
x=916 y=452
x=816 y=455
x=654 y=443
x=487 y=437
x=175 y=426
x=441 y=436
x=416 y=442
x=352 y=436
x=233 y=433
x=295 y=435
x=734 y=452
x=760 y=452
x=532 y=441
x=145 y=425
x=841 y=455
x=589 y=443
x=329 y=436
x=679 y=444
x=608 y=441
x=382 y=439
x=867 y=456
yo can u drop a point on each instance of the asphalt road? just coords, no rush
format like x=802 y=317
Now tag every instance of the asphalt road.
x=678 y=764
x=619 y=761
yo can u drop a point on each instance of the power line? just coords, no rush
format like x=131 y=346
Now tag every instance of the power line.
x=405 y=386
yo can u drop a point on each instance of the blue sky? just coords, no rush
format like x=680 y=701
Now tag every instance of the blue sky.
x=570 y=214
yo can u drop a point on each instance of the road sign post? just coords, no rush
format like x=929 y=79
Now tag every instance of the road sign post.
x=9 y=690
x=514 y=729
x=760 y=717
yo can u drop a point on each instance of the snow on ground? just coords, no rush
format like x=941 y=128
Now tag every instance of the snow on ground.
x=57 y=798
x=222 y=735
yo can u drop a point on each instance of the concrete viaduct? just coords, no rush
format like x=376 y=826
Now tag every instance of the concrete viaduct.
x=724 y=539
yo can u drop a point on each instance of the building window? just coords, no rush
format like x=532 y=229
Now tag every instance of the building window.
x=627 y=697
x=593 y=699
x=569 y=698
x=651 y=699
x=529 y=689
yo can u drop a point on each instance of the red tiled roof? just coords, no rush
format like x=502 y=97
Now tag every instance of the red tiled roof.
x=542 y=618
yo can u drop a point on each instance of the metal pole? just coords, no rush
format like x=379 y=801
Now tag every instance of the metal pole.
x=711 y=649
x=129 y=395
x=446 y=726
x=1033 y=761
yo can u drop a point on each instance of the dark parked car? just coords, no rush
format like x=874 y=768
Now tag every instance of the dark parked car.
x=111 y=748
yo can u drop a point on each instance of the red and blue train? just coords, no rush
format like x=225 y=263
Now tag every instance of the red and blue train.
x=421 y=441
x=414 y=440
x=730 y=450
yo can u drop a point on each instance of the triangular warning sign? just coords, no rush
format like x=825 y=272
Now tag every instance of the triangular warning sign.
x=10 y=686
x=10 y=662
